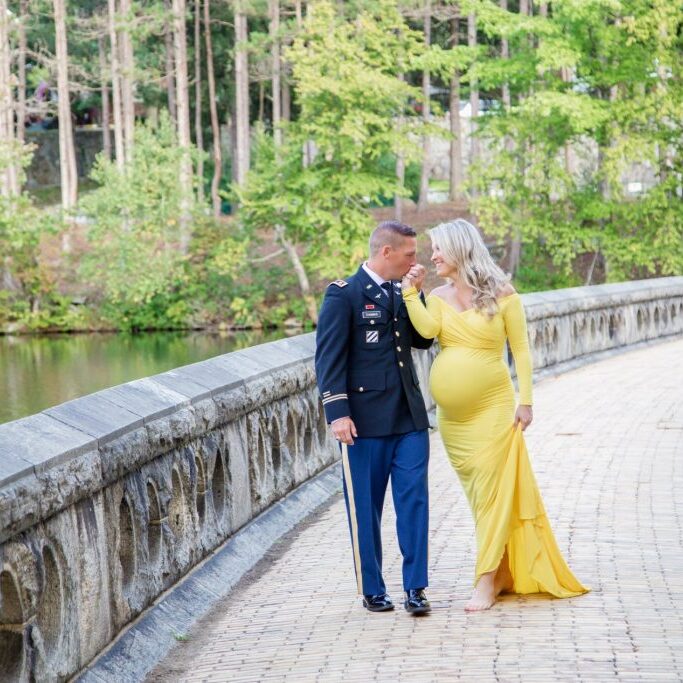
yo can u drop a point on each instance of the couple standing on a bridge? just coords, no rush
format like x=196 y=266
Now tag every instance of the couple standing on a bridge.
x=367 y=326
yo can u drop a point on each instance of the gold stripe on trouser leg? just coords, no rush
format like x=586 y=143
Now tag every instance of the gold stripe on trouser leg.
x=352 y=515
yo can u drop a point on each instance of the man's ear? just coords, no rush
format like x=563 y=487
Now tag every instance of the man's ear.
x=386 y=250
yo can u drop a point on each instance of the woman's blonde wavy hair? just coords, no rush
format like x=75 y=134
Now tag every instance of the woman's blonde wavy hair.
x=463 y=248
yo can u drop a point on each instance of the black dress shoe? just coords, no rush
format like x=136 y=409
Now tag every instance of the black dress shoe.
x=416 y=601
x=378 y=603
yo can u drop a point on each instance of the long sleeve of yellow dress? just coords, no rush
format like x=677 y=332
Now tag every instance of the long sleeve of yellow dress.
x=425 y=319
x=516 y=331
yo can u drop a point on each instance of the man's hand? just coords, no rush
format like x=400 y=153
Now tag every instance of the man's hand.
x=414 y=277
x=344 y=430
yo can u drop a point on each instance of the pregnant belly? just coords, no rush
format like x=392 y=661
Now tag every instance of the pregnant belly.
x=468 y=381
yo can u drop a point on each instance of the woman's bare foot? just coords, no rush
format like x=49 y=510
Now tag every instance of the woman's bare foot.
x=503 y=581
x=490 y=586
x=484 y=594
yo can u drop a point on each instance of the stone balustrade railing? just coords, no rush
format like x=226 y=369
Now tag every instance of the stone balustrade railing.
x=108 y=500
x=569 y=324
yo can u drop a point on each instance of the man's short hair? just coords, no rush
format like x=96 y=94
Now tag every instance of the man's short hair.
x=391 y=233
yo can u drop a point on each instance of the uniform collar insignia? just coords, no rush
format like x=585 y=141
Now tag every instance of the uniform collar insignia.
x=373 y=291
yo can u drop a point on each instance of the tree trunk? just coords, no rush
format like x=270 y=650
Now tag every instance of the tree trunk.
x=286 y=100
x=213 y=111
x=170 y=66
x=514 y=247
x=401 y=177
x=21 y=72
x=116 y=86
x=515 y=252
x=474 y=91
x=183 y=100
x=104 y=90
x=525 y=9
x=261 y=102
x=456 y=175
x=567 y=76
x=7 y=280
x=280 y=231
x=302 y=277
x=400 y=166
x=665 y=157
x=505 y=54
x=67 y=155
x=274 y=12
x=198 y=133
x=426 y=143
x=591 y=269
x=7 y=184
x=308 y=149
x=241 y=154
x=8 y=173
x=127 y=81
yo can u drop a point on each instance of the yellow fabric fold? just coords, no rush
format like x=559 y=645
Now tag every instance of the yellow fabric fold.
x=509 y=513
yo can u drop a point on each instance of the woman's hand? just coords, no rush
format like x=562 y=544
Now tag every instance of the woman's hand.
x=407 y=281
x=414 y=277
x=524 y=416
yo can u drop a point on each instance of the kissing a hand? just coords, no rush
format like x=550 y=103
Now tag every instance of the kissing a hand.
x=414 y=277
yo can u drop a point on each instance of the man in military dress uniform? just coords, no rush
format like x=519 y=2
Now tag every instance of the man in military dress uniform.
x=373 y=403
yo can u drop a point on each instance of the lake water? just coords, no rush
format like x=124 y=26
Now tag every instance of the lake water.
x=37 y=372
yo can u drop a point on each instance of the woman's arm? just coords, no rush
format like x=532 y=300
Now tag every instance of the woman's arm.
x=515 y=328
x=425 y=319
x=417 y=341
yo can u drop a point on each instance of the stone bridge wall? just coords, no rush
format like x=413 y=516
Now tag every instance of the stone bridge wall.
x=568 y=324
x=108 y=500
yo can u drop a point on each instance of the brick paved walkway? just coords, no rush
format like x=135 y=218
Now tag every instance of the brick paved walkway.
x=607 y=448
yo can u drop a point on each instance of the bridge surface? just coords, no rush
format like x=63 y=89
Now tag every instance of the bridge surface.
x=607 y=448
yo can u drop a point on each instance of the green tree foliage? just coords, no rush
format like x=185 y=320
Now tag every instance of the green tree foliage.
x=27 y=288
x=621 y=110
x=348 y=92
x=134 y=231
x=596 y=97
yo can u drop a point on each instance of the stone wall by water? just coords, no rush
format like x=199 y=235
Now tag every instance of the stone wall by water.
x=108 y=500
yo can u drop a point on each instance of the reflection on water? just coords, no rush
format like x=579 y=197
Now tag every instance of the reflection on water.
x=39 y=372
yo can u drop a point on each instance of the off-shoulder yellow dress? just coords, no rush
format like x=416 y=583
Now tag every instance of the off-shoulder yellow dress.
x=475 y=398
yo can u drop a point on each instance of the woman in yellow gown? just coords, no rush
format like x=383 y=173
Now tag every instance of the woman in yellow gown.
x=472 y=316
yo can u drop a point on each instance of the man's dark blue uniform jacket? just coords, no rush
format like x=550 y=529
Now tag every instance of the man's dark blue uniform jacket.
x=363 y=360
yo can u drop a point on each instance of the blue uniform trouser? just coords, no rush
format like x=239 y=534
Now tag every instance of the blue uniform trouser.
x=367 y=466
